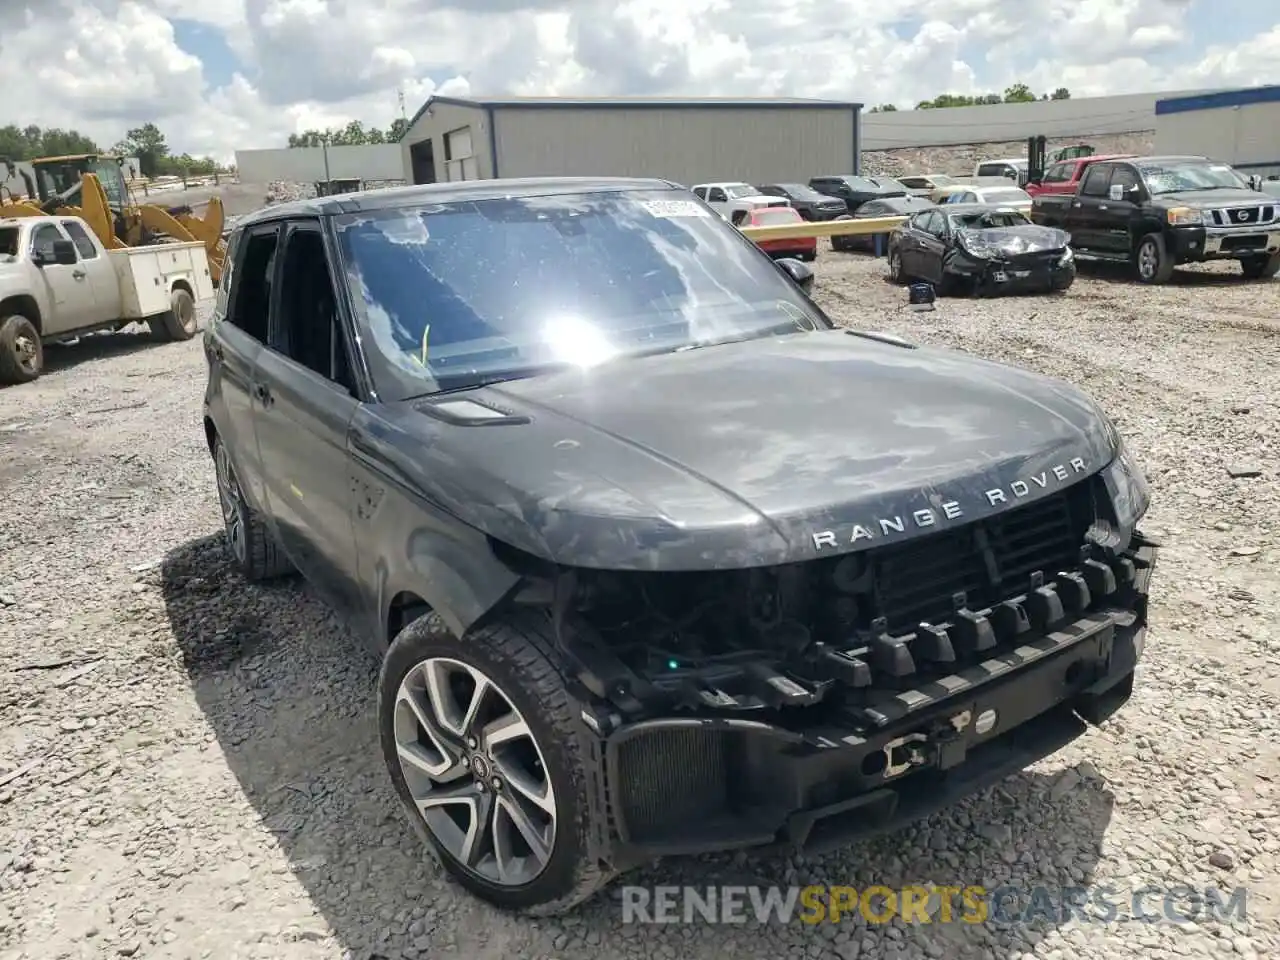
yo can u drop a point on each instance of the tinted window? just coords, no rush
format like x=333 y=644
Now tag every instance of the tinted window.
x=81 y=239
x=468 y=292
x=914 y=183
x=9 y=241
x=993 y=169
x=255 y=274
x=872 y=209
x=717 y=195
x=1123 y=177
x=700 y=192
x=307 y=324
x=1095 y=181
x=1058 y=173
x=43 y=239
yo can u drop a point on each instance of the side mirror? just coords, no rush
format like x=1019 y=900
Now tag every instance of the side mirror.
x=801 y=274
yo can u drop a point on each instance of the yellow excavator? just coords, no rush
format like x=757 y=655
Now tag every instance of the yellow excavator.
x=93 y=188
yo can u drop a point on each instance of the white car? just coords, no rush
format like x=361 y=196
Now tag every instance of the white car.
x=1010 y=196
x=734 y=200
x=1014 y=168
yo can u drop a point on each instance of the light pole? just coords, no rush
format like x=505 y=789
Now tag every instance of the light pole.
x=324 y=146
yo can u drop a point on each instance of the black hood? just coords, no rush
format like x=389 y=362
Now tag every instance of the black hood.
x=1016 y=241
x=1213 y=198
x=741 y=454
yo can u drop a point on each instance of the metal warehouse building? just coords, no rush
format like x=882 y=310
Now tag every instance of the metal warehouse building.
x=686 y=141
x=1239 y=127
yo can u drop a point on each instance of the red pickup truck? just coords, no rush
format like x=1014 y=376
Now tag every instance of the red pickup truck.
x=1064 y=176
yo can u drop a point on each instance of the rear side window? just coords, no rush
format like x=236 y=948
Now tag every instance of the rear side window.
x=81 y=239
x=993 y=170
x=255 y=274
x=43 y=239
x=1095 y=181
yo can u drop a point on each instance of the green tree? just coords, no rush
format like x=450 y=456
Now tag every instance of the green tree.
x=32 y=142
x=1014 y=93
x=148 y=144
x=399 y=127
x=353 y=134
x=884 y=108
x=1018 y=93
x=1062 y=93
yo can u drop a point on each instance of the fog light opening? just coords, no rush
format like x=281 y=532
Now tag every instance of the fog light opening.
x=986 y=722
x=873 y=764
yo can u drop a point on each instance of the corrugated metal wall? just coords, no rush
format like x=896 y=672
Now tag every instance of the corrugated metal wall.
x=684 y=144
x=1247 y=135
x=379 y=161
x=1012 y=121
x=437 y=124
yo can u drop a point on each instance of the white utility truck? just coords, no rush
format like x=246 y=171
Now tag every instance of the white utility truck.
x=57 y=282
x=733 y=200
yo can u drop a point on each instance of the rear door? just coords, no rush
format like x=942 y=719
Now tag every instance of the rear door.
x=235 y=338
x=1117 y=212
x=933 y=244
x=305 y=397
x=66 y=286
x=1085 y=210
x=101 y=271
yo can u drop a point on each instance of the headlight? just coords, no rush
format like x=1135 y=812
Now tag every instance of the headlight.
x=1067 y=256
x=1183 y=216
x=1130 y=495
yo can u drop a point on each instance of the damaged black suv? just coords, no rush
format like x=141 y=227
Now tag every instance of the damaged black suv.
x=657 y=559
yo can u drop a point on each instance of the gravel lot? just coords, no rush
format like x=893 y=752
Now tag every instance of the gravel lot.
x=189 y=764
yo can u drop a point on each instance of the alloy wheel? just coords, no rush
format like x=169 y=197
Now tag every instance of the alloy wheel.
x=25 y=351
x=1147 y=260
x=474 y=771
x=231 y=501
x=895 y=266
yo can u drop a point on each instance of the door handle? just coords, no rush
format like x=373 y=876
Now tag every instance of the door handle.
x=262 y=392
x=78 y=274
x=1102 y=206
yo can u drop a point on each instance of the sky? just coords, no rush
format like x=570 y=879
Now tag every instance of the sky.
x=217 y=75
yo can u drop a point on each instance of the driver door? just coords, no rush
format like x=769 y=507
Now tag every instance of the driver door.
x=67 y=286
x=719 y=201
x=933 y=245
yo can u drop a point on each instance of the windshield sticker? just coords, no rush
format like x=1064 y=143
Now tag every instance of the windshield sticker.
x=675 y=208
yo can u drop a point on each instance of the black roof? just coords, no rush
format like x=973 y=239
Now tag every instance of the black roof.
x=389 y=198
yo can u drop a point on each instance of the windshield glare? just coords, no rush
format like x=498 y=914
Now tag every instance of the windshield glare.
x=987 y=221
x=735 y=191
x=457 y=294
x=1175 y=177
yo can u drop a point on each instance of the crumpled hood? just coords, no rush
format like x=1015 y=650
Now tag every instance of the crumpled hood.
x=1015 y=241
x=742 y=454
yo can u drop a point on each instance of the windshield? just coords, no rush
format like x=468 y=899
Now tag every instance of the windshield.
x=1173 y=176
x=888 y=183
x=463 y=293
x=941 y=180
x=987 y=220
x=8 y=241
x=799 y=191
x=1006 y=195
x=111 y=176
x=736 y=191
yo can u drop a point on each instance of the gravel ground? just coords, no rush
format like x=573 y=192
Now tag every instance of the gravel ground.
x=189 y=767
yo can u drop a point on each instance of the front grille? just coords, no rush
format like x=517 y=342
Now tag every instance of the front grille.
x=1248 y=241
x=668 y=778
x=1243 y=216
x=982 y=563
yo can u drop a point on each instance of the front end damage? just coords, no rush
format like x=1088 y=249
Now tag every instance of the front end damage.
x=1008 y=260
x=816 y=702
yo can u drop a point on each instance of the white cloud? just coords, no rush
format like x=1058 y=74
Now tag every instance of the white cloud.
x=102 y=66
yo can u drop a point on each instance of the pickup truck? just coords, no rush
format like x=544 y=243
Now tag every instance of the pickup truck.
x=1159 y=212
x=734 y=201
x=1064 y=176
x=57 y=282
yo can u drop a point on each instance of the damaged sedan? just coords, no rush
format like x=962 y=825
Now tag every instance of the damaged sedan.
x=656 y=558
x=981 y=249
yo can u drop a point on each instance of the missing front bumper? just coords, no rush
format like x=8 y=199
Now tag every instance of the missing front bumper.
x=683 y=786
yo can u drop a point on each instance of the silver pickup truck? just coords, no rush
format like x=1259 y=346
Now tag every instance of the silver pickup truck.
x=57 y=281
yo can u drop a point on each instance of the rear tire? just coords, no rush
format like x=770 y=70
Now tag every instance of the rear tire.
x=249 y=543
x=538 y=763
x=1152 y=260
x=1260 y=268
x=895 y=268
x=21 y=351
x=180 y=322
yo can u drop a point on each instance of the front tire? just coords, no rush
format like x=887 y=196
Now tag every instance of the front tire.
x=482 y=744
x=895 y=268
x=249 y=543
x=1152 y=260
x=21 y=351
x=1260 y=268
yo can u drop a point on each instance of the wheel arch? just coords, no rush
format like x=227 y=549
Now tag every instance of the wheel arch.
x=23 y=304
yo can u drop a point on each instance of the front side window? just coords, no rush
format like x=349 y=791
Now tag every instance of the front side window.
x=43 y=238
x=456 y=294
